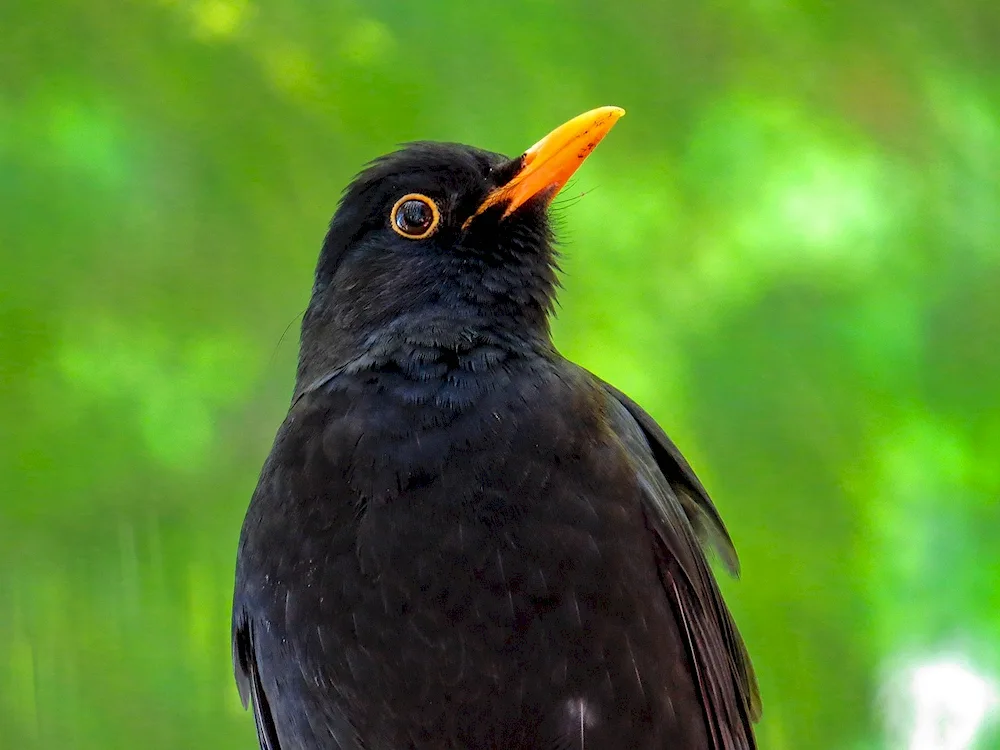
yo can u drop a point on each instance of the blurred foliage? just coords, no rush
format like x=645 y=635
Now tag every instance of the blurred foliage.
x=789 y=251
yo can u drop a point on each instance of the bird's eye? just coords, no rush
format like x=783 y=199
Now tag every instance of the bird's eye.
x=415 y=216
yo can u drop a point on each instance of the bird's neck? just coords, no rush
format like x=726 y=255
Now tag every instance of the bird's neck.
x=473 y=318
x=448 y=365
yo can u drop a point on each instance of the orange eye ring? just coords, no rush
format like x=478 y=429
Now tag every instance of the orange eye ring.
x=408 y=218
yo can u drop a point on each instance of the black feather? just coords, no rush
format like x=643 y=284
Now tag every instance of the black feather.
x=460 y=539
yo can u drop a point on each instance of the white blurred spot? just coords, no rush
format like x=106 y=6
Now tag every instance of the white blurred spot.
x=942 y=705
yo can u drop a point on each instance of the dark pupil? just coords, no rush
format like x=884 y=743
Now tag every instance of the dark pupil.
x=414 y=217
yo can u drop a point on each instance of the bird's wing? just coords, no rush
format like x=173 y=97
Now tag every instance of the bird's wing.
x=286 y=679
x=681 y=514
x=248 y=680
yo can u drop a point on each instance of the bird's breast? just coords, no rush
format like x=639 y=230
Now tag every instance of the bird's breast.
x=483 y=553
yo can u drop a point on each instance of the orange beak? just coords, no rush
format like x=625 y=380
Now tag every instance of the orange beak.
x=546 y=166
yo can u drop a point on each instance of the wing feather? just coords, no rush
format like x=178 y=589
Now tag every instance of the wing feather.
x=249 y=683
x=682 y=516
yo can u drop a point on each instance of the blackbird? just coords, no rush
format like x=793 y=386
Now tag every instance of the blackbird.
x=461 y=540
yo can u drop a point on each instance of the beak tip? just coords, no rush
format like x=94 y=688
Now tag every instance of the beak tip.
x=609 y=115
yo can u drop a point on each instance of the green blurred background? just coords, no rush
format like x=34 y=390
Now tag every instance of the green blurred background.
x=789 y=252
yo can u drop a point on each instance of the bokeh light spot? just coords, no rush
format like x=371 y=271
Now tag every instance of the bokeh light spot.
x=85 y=139
x=173 y=389
x=367 y=42
x=941 y=704
x=218 y=18
x=290 y=69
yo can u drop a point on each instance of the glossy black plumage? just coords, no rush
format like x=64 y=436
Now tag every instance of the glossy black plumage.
x=460 y=539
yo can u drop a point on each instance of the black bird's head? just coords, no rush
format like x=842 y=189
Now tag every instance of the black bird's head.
x=442 y=245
